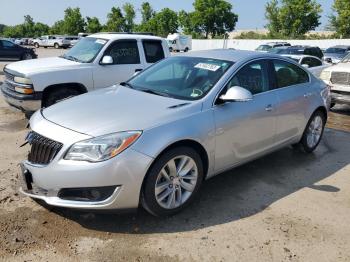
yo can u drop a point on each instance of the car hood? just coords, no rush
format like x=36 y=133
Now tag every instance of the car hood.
x=341 y=67
x=117 y=109
x=27 y=67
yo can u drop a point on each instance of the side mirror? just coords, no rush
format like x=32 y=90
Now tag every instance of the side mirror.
x=305 y=65
x=107 y=60
x=237 y=94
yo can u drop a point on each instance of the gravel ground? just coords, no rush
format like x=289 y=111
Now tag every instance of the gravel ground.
x=287 y=206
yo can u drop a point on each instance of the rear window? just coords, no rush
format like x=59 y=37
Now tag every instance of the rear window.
x=153 y=50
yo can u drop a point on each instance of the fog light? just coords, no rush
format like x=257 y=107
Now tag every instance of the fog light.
x=87 y=194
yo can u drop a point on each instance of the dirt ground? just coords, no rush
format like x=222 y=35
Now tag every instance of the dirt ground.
x=287 y=206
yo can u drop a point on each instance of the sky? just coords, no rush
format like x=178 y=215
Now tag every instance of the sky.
x=251 y=12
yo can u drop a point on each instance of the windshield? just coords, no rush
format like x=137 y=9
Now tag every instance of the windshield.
x=346 y=59
x=188 y=78
x=85 y=50
x=292 y=51
x=264 y=48
x=335 y=50
x=277 y=50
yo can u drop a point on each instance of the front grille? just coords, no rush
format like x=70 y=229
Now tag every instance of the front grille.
x=340 y=78
x=8 y=76
x=9 y=79
x=43 y=150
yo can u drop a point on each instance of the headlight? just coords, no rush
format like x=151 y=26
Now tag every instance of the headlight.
x=22 y=80
x=325 y=75
x=102 y=148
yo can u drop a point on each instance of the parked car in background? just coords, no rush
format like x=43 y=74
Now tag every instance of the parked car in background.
x=10 y=51
x=268 y=46
x=336 y=53
x=302 y=50
x=73 y=40
x=338 y=78
x=153 y=139
x=51 y=41
x=313 y=63
x=178 y=42
x=96 y=61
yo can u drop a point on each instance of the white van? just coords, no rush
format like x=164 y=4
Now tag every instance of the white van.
x=179 y=42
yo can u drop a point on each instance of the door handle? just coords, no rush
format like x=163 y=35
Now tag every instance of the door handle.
x=268 y=108
x=307 y=95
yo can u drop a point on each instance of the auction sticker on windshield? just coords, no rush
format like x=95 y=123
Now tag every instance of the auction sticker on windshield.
x=207 y=66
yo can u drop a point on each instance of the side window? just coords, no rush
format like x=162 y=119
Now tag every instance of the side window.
x=8 y=44
x=153 y=50
x=253 y=77
x=124 y=52
x=314 y=62
x=288 y=74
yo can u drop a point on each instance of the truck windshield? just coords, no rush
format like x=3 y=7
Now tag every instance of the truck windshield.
x=85 y=50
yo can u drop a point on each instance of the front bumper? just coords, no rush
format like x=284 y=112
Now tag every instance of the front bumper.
x=340 y=97
x=125 y=172
x=25 y=103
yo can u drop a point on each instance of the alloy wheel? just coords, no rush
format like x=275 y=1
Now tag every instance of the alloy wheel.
x=176 y=182
x=314 y=131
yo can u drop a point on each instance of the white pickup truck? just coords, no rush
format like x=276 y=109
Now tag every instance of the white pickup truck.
x=338 y=78
x=97 y=61
x=55 y=41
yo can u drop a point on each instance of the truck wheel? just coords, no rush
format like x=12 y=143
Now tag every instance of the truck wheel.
x=171 y=49
x=36 y=45
x=332 y=105
x=58 y=95
x=186 y=49
x=56 y=45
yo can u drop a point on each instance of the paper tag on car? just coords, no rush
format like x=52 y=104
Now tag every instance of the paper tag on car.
x=100 y=41
x=206 y=66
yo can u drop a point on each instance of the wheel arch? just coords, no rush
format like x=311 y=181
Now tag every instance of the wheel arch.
x=199 y=148
x=77 y=86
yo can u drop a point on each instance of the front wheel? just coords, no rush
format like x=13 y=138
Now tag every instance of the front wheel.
x=36 y=45
x=56 y=46
x=313 y=132
x=172 y=182
x=27 y=56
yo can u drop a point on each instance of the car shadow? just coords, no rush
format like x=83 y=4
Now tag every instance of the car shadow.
x=236 y=194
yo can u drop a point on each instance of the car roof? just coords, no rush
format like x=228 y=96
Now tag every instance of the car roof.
x=115 y=36
x=340 y=46
x=228 y=54
x=300 y=56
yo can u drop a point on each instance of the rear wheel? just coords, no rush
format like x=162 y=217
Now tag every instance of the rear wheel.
x=172 y=182
x=36 y=45
x=313 y=132
x=186 y=49
x=58 y=95
x=56 y=45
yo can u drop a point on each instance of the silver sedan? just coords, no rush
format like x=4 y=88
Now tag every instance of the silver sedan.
x=153 y=139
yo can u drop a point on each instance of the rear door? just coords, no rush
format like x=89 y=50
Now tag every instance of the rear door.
x=126 y=61
x=294 y=93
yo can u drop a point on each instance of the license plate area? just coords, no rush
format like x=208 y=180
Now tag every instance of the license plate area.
x=25 y=178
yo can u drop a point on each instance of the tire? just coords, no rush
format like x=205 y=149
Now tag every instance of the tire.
x=313 y=132
x=186 y=50
x=172 y=185
x=58 y=95
x=332 y=105
x=56 y=46
x=171 y=50
x=27 y=56
x=36 y=45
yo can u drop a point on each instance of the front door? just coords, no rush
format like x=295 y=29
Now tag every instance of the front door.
x=126 y=61
x=246 y=129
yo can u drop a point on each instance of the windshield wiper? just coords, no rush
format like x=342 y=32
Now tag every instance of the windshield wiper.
x=151 y=91
x=72 y=58
x=127 y=84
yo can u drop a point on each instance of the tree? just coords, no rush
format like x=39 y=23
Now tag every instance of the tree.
x=292 y=18
x=146 y=12
x=28 y=26
x=213 y=17
x=58 y=28
x=115 y=20
x=93 y=25
x=40 y=29
x=166 y=22
x=129 y=14
x=2 y=29
x=340 y=21
x=73 y=22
